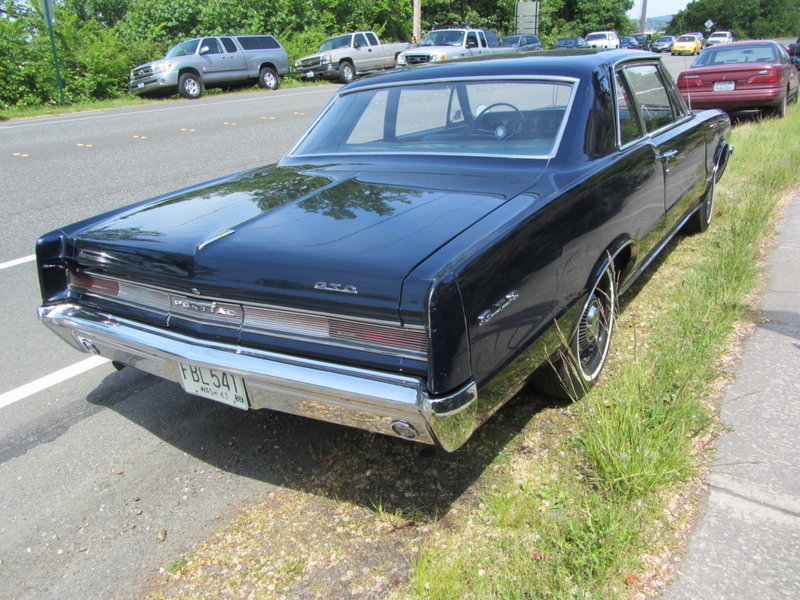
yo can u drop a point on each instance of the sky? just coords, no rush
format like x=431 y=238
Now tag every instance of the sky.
x=658 y=8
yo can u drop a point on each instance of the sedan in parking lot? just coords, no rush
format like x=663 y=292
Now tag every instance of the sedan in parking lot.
x=741 y=76
x=571 y=42
x=664 y=43
x=687 y=44
x=438 y=238
x=521 y=43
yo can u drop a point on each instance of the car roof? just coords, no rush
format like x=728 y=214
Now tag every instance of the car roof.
x=577 y=63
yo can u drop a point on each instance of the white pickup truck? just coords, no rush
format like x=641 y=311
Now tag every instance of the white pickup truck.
x=213 y=61
x=345 y=56
x=447 y=44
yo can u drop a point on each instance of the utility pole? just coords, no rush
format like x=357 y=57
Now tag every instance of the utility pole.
x=643 y=20
x=417 y=20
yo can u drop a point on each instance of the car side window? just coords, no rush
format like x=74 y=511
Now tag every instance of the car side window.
x=627 y=121
x=360 y=40
x=472 y=40
x=229 y=45
x=213 y=46
x=651 y=95
x=372 y=39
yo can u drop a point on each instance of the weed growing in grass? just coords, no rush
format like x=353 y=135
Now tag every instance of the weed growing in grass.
x=573 y=524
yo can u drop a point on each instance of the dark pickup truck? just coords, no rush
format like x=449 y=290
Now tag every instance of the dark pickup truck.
x=794 y=49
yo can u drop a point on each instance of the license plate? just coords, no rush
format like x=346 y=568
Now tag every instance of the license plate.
x=310 y=74
x=724 y=86
x=141 y=85
x=214 y=384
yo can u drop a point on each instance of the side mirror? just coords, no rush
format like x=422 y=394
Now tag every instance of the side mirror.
x=204 y=50
x=472 y=44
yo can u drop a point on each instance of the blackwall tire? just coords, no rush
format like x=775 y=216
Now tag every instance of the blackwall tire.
x=268 y=79
x=190 y=86
x=346 y=72
x=701 y=219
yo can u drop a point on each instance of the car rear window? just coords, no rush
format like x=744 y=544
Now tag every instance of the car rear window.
x=731 y=54
x=489 y=117
x=258 y=42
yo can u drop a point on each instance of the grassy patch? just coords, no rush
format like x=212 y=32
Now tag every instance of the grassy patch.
x=587 y=500
x=587 y=524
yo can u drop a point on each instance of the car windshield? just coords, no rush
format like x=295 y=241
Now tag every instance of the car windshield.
x=687 y=38
x=183 y=49
x=444 y=38
x=510 y=40
x=514 y=118
x=342 y=41
x=665 y=38
x=595 y=36
x=731 y=54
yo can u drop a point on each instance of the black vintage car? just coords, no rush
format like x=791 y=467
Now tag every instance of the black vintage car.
x=421 y=251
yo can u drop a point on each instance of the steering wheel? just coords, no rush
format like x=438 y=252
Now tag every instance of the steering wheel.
x=502 y=127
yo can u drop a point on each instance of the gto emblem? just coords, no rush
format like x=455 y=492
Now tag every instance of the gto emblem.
x=335 y=287
x=209 y=308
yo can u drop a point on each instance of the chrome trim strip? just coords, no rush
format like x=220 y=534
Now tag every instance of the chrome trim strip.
x=254 y=304
x=352 y=396
x=574 y=82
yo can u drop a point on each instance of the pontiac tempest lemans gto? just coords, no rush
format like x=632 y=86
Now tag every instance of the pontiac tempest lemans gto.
x=415 y=257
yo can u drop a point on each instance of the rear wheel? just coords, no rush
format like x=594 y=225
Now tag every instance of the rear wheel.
x=268 y=79
x=573 y=374
x=190 y=86
x=701 y=219
x=780 y=110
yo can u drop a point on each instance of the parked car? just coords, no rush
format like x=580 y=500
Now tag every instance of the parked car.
x=645 y=40
x=345 y=56
x=603 y=39
x=629 y=42
x=571 y=42
x=447 y=44
x=794 y=49
x=699 y=35
x=687 y=44
x=416 y=256
x=214 y=61
x=521 y=43
x=664 y=43
x=719 y=37
x=741 y=76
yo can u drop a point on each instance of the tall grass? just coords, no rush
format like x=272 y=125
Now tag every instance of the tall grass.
x=571 y=516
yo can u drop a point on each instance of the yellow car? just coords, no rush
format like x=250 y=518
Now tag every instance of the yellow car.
x=687 y=44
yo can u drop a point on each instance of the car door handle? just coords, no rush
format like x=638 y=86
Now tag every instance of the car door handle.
x=667 y=154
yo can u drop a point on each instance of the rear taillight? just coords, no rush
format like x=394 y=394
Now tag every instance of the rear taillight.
x=85 y=282
x=765 y=76
x=685 y=81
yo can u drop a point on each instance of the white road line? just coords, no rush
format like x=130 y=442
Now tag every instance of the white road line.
x=50 y=380
x=18 y=261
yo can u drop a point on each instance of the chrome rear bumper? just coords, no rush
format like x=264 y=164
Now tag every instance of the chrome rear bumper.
x=387 y=403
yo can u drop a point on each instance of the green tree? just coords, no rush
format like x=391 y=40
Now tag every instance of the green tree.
x=745 y=18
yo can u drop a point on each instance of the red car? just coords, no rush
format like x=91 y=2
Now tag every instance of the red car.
x=756 y=74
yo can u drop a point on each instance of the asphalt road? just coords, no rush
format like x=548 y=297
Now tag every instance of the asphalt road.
x=106 y=476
